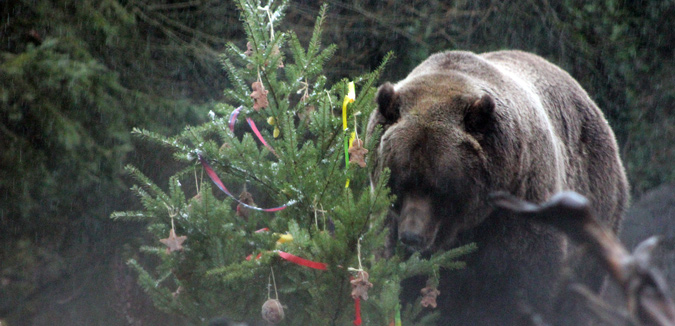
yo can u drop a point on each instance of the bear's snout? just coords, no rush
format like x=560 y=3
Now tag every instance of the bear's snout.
x=416 y=228
x=412 y=240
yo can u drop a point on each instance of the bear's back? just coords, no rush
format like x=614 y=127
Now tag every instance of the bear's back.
x=526 y=86
x=593 y=165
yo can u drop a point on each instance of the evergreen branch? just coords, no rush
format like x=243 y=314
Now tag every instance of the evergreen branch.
x=241 y=173
x=279 y=13
x=446 y=259
x=334 y=135
x=330 y=175
x=159 y=139
x=323 y=57
x=128 y=216
x=296 y=50
x=172 y=6
x=315 y=40
x=159 y=295
x=271 y=90
x=147 y=183
x=371 y=77
x=248 y=19
x=233 y=76
x=173 y=36
x=182 y=27
x=380 y=188
x=358 y=9
x=341 y=303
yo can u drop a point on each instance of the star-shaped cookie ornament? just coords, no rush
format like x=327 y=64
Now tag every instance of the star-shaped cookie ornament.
x=360 y=285
x=173 y=243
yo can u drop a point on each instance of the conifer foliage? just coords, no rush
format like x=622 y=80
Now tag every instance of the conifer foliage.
x=269 y=213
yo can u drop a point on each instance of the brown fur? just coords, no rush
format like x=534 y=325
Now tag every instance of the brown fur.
x=461 y=126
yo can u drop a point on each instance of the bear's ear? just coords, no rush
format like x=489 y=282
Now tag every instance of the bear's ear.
x=387 y=103
x=480 y=115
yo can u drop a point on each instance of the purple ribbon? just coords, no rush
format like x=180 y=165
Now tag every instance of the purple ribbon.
x=214 y=177
x=233 y=117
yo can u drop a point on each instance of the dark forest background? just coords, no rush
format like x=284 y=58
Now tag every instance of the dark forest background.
x=77 y=75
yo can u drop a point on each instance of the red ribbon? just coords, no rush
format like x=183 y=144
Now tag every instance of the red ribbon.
x=260 y=137
x=256 y=257
x=233 y=120
x=302 y=261
x=357 y=307
x=294 y=259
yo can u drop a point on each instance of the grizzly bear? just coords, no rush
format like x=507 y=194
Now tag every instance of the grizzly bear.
x=461 y=126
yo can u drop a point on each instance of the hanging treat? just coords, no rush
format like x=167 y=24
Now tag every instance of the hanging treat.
x=194 y=201
x=276 y=52
x=429 y=295
x=283 y=238
x=357 y=154
x=360 y=285
x=246 y=198
x=197 y=198
x=272 y=311
x=173 y=242
x=306 y=113
x=224 y=147
x=249 y=49
x=259 y=96
x=273 y=122
x=249 y=53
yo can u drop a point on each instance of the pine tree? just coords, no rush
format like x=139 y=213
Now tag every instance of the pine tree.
x=286 y=141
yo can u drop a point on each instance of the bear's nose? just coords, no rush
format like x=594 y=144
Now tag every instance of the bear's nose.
x=411 y=239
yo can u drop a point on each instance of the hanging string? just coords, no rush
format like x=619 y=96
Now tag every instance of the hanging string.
x=276 y=294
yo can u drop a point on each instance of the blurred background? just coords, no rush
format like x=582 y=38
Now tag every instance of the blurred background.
x=77 y=75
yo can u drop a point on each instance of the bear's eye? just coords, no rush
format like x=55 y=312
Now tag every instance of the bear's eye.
x=396 y=206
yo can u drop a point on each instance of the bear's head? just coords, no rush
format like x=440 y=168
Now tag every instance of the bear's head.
x=436 y=135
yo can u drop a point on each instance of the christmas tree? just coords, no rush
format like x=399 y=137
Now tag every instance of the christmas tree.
x=300 y=240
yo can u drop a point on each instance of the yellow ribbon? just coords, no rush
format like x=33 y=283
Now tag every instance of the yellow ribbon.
x=351 y=96
x=283 y=238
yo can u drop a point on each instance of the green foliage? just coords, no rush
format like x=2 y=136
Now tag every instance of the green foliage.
x=304 y=168
x=65 y=116
x=621 y=52
x=632 y=79
x=65 y=121
x=77 y=75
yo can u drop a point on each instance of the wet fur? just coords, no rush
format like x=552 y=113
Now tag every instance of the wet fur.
x=463 y=125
